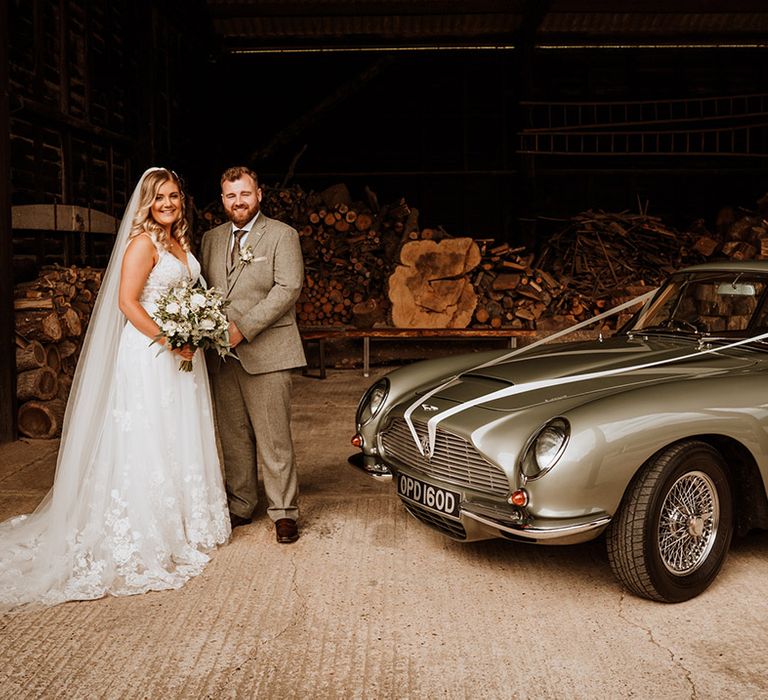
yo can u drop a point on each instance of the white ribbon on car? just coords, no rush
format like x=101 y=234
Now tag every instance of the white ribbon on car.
x=540 y=384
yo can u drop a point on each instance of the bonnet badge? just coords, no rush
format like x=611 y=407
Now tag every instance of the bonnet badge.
x=425 y=448
x=428 y=407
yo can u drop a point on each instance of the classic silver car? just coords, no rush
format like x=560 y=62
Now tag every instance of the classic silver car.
x=656 y=436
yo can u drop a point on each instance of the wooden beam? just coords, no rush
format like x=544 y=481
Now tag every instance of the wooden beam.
x=7 y=347
x=62 y=217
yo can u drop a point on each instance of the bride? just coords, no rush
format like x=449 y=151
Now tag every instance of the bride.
x=138 y=500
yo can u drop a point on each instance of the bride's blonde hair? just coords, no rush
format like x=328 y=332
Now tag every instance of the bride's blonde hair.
x=144 y=222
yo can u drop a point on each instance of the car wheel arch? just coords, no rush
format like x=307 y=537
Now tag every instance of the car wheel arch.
x=750 y=501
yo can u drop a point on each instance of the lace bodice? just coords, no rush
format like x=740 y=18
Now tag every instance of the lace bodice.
x=168 y=271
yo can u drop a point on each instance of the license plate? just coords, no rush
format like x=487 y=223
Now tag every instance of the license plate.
x=432 y=497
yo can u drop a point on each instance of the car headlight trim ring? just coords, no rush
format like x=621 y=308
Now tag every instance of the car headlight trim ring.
x=545 y=448
x=372 y=401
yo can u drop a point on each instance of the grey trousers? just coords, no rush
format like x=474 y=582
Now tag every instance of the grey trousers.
x=253 y=413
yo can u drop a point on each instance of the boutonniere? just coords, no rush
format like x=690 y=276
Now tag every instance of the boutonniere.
x=246 y=255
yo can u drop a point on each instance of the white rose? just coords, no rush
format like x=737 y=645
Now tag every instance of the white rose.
x=197 y=301
x=207 y=325
x=172 y=308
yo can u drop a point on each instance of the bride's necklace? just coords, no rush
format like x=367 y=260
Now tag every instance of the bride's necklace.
x=174 y=246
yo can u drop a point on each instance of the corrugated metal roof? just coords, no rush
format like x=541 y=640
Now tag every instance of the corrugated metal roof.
x=654 y=24
x=261 y=29
x=327 y=23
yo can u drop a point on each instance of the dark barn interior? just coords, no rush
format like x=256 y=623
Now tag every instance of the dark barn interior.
x=495 y=120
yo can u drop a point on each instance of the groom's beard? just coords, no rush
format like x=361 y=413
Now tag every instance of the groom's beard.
x=242 y=215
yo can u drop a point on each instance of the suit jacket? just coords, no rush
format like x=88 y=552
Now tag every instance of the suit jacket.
x=262 y=293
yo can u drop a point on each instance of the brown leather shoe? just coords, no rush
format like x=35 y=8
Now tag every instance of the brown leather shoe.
x=286 y=530
x=237 y=520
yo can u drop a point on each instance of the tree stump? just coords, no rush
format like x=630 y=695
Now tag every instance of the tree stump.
x=430 y=288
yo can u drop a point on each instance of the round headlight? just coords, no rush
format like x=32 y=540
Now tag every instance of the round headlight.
x=378 y=395
x=545 y=448
x=372 y=401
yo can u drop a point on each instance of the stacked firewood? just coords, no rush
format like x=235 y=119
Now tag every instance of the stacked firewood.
x=600 y=259
x=512 y=293
x=595 y=261
x=51 y=315
x=348 y=247
x=735 y=237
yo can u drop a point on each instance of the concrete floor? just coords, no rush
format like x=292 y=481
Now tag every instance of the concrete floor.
x=369 y=603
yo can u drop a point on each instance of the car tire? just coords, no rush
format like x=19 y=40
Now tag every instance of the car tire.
x=673 y=529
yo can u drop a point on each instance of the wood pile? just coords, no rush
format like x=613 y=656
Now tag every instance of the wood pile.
x=349 y=250
x=597 y=260
x=735 y=237
x=354 y=267
x=601 y=259
x=512 y=292
x=51 y=315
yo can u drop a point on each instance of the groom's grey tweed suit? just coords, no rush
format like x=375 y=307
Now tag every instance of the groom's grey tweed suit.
x=252 y=395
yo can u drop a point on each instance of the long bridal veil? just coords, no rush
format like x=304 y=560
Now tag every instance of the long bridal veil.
x=38 y=551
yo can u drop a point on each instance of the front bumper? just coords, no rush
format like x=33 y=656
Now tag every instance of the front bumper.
x=571 y=531
x=478 y=520
x=482 y=518
x=474 y=523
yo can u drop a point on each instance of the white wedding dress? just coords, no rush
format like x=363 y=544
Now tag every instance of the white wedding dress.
x=142 y=503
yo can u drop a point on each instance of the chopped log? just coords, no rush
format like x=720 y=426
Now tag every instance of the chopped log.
x=31 y=356
x=429 y=289
x=67 y=348
x=53 y=357
x=73 y=328
x=482 y=315
x=39 y=325
x=737 y=250
x=706 y=246
x=33 y=304
x=41 y=419
x=336 y=195
x=506 y=282
x=37 y=383
x=524 y=313
x=512 y=265
x=366 y=313
x=363 y=222
x=65 y=385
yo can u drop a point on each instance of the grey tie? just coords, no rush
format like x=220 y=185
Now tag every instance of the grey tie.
x=239 y=233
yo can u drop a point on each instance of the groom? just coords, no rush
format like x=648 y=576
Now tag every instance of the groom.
x=257 y=261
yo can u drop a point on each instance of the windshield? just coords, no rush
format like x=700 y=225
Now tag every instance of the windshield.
x=721 y=303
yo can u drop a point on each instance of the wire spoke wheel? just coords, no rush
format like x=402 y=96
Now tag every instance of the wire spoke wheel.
x=672 y=531
x=688 y=523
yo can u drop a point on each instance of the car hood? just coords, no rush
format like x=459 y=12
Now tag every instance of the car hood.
x=567 y=371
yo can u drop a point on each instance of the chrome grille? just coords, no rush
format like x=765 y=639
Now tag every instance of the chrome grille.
x=454 y=460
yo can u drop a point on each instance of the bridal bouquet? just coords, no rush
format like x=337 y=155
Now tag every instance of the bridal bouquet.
x=191 y=315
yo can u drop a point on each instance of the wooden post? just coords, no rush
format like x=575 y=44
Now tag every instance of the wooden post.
x=7 y=348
